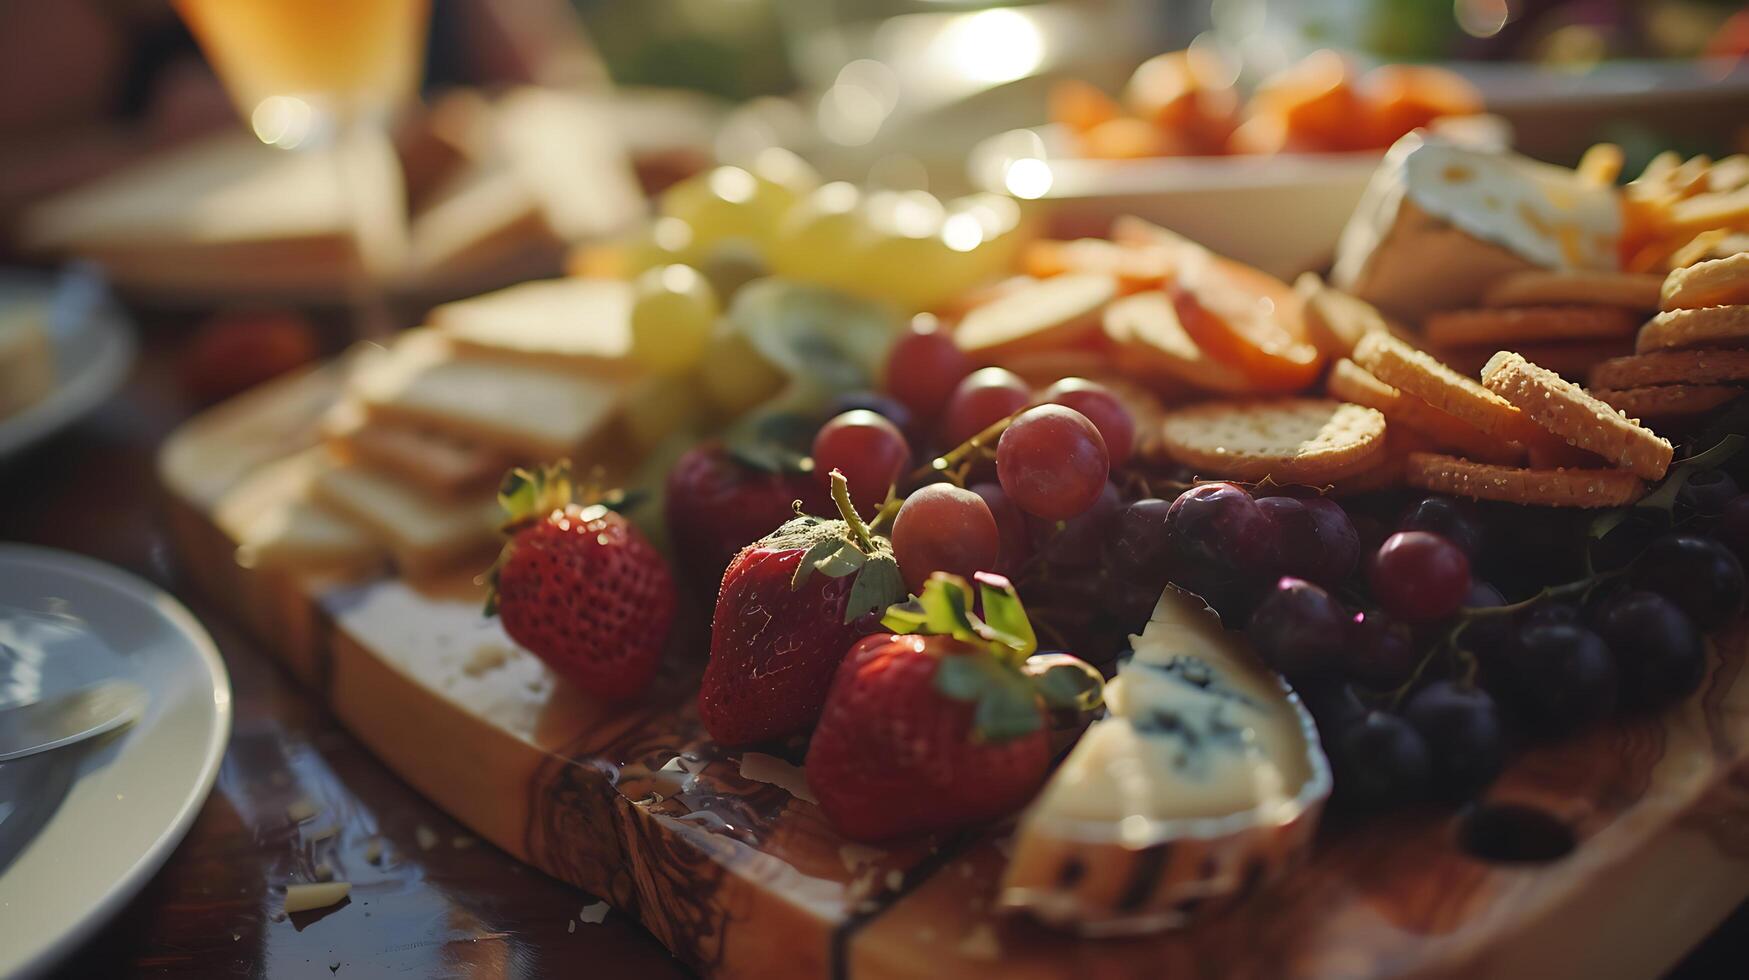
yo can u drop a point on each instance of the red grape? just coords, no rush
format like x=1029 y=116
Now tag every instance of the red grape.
x=868 y=449
x=1380 y=651
x=1102 y=408
x=983 y=398
x=1223 y=547
x=1078 y=541
x=942 y=528
x=1010 y=522
x=1419 y=576
x=1052 y=462
x=1142 y=542
x=923 y=367
x=1314 y=538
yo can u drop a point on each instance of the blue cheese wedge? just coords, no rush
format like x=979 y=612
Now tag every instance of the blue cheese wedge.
x=1202 y=785
x=1440 y=222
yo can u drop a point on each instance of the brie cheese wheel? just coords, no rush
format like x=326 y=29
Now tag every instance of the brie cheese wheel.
x=1440 y=222
x=1203 y=784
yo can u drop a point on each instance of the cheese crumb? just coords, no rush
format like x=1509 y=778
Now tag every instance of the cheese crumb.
x=762 y=768
x=487 y=657
x=594 y=914
x=425 y=836
x=323 y=833
x=303 y=898
x=301 y=810
x=570 y=925
x=324 y=871
x=895 y=880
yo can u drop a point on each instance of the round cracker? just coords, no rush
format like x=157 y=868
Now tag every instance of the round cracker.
x=1716 y=282
x=1418 y=373
x=1566 y=410
x=1572 y=359
x=1707 y=327
x=1046 y=315
x=1668 y=401
x=1669 y=367
x=1351 y=382
x=1293 y=440
x=1529 y=325
x=1540 y=287
x=1149 y=344
x=1550 y=488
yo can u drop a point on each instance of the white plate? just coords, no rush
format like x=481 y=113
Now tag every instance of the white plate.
x=1281 y=213
x=94 y=347
x=83 y=828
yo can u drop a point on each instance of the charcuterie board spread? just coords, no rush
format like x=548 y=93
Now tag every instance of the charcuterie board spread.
x=1128 y=612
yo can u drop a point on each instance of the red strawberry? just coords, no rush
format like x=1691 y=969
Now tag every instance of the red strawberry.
x=580 y=587
x=790 y=605
x=937 y=732
x=717 y=504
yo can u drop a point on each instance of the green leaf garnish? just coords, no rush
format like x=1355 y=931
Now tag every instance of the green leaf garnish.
x=1065 y=682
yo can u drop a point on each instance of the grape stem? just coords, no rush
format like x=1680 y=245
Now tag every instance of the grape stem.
x=1575 y=588
x=944 y=463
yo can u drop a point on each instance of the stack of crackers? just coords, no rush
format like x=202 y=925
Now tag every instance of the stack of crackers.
x=413 y=451
x=1567 y=321
x=1691 y=358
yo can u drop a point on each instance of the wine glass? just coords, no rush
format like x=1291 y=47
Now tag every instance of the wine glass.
x=327 y=75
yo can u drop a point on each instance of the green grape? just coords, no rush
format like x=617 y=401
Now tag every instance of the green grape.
x=730 y=203
x=734 y=375
x=673 y=311
x=665 y=241
x=824 y=238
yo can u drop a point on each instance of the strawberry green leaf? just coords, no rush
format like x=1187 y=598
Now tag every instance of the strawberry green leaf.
x=1005 y=621
x=1065 y=682
x=531 y=494
x=905 y=617
x=811 y=559
x=1006 y=705
x=842 y=561
x=877 y=585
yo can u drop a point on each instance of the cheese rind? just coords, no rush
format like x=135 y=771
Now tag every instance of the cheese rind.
x=1204 y=782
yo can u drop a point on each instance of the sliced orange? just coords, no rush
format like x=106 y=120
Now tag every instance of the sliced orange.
x=1316 y=101
x=1136 y=267
x=1248 y=319
x=1189 y=94
x=1401 y=98
x=1081 y=105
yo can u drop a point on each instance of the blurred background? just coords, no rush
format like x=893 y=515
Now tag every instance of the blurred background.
x=460 y=145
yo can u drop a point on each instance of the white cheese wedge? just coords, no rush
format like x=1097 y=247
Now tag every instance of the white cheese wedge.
x=272 y=517
x=1202 y=785
x=437 y=463
x=583 y=323
x=525 y=410
x=27 y=358
x=1440 y=222
x=425 y=535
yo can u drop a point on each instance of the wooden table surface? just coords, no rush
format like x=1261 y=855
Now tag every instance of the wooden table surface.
x=454 y=909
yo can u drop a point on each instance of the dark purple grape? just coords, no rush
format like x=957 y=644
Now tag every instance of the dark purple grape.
x=1078 y=541
x=1381 y=652
x=1551 y=614
x=1313 y=537
x=1563 y=677
x=1016 y=536
x=1707 y=492
x=1141 y=541
x=1449 y=518
x=1462 y=728
x=1419 y=576
x=1486 y=636
x=1657 y=649
x=1130 y=602
x=1222 y=548
x=885 y=405
x=1624 y=542
x=1382 y=761
x=1698 y=574
x=1333 y=704
x=1732 y=527
x=1221 y=524
x=1299 y=629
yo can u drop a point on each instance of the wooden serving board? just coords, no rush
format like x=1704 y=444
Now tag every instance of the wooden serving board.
x=740 y=879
